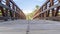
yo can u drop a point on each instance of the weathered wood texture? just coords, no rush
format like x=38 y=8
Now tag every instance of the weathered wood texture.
x=10 y=10
x=51 y=8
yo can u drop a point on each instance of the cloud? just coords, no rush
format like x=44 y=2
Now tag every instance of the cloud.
x=27 y=11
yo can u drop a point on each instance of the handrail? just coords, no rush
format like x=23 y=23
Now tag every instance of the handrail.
x=50 y=8
x=14 y=3
x=12 y=9
x=44 y=3
x=4 y=6
x=44 y=11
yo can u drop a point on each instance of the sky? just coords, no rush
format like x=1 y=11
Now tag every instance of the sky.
x=27 y=6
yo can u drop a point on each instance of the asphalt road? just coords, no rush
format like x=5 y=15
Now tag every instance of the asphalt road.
x=35 y=27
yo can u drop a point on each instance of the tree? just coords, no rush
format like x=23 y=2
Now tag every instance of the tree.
x=37 y=6
x=30 y=15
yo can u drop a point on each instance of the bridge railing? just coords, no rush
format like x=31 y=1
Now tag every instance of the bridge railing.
x=9 y=10
x=51 y=8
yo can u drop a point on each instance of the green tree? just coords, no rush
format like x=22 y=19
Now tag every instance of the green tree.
x=37 y=6
x=30 y=15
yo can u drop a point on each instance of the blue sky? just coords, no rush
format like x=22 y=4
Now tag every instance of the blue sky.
x=28 y=5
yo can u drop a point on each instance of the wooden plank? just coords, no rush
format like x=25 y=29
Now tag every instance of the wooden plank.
x=57 y=10
x=45 y=3
x=14 y=3
x=4 y=6
x=51 y=8
x=47 y=10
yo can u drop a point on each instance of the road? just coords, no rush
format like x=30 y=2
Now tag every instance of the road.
x=35 y=27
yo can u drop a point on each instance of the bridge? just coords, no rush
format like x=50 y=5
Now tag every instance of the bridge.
x=10 y=10
x=46 y=20
x=50 y=10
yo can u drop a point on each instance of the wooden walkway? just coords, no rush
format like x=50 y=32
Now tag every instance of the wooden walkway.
x=35 y=27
